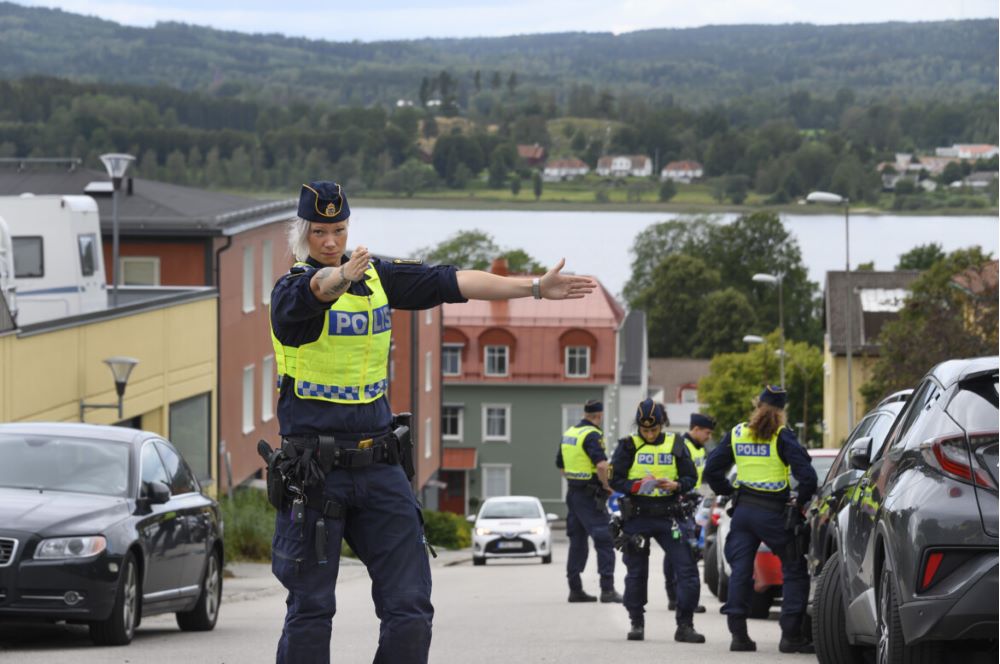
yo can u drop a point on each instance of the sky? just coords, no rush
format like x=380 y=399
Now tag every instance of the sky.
x=377 y=20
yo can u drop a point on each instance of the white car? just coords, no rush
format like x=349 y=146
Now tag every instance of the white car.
x=511 y=527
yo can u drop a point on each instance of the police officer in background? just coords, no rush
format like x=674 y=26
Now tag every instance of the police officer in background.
x=764 y=451
x=698 y=434
x=330 y=327
x=584 y=464
x=653 y=469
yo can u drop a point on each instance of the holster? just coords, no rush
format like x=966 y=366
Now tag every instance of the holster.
x=798 y=531
x=274 y=477
x=404 y=442
x=627 y=508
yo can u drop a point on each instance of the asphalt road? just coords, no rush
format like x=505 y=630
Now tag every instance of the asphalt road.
x=507 y=611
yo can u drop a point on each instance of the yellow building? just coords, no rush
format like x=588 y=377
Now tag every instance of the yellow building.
x=875 y=298
x=49 y=368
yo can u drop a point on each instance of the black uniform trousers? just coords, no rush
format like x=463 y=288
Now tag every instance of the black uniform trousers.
x=584 y=519
x=660 y=530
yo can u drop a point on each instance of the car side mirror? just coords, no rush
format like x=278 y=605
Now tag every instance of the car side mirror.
x=723 y=500
x=551 y=517
x=845 y=480
x=471 y=518
x=859 y=455
x=157 y=493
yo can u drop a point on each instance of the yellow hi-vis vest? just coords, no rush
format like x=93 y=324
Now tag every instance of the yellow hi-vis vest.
x=349 y=361
x=576 y=464
x=698 y=457
x=758 y=465
x=656 y=460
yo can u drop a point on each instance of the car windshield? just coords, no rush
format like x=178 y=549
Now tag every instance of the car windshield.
x=821 y=464
x=511 y=509
x=56 y=463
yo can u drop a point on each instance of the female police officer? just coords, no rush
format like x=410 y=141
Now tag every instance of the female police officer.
x=653 y=469
x=764 y=451
x=330 y=324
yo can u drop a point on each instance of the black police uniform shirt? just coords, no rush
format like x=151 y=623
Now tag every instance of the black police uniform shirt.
x=624 y=457
x=297 y=318
x=721 y=459
x=592 y=446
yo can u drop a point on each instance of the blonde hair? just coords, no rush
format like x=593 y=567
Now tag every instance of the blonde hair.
x=765 y=421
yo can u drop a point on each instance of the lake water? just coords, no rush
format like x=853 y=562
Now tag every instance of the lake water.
x=599 y=243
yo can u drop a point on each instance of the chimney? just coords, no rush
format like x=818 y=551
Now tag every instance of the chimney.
x=128 y=186
x=499 y=267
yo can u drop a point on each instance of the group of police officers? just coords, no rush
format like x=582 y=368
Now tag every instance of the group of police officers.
x=657 y=475
x=341 y=472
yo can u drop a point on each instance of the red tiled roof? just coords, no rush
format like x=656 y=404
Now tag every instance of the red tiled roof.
x=458 y=458
x=565 y=163
x=682 y=166
x=977 y=280
x=535 y=151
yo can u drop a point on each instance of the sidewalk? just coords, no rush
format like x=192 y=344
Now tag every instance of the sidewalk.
x=246 y=581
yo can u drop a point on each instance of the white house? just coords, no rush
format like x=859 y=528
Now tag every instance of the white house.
x=625 y=166
x=682 y=171
x=564 y=169
x=966 y=151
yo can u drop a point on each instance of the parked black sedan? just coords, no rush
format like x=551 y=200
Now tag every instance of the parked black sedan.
x=916 y=565
x=102 y=526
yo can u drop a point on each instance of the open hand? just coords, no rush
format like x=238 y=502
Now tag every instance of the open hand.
x=354 y=268
x=667 y=484
x=557 y=286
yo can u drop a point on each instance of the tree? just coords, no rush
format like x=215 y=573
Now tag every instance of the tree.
x=515 y=184
x=942 y=318
x=921 y=257
x=476 y=250
x=673 y=300
x=725 y=318
x=667 y=190
x=654 y=243
x=520 y=262
x=536 y=183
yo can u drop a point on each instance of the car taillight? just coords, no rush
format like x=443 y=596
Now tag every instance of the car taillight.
x=950 y=455
x=931 y=565
x=716 y=515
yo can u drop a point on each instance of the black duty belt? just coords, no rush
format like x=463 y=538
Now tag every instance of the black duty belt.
x=746 y=498
x=333 y=452
x=654 y=507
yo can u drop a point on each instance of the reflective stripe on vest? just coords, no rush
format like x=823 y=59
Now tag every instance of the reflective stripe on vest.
x=349 y=361
x=758 y=465
x=698 y=457
x=577 y=465
x=654 y=460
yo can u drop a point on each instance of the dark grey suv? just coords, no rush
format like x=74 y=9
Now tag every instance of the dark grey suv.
x=915 y=564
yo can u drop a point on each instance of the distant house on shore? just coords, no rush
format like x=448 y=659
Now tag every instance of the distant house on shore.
x=966 y=151
x=564 y=169
x=636 y=165
x=532 y=155
x=682 y=171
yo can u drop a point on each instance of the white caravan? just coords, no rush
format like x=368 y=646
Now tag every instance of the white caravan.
x=51 y=263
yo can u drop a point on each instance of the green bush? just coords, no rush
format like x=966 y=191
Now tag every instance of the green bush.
x=447 y=530
x=249 y=525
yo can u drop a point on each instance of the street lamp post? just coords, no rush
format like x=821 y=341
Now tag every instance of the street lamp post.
x=121 y=369
x=836 y=199
x=116 y=164
x=753 y=339
x=776 y=280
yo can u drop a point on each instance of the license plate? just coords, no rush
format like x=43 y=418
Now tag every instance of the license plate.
x=508 y=545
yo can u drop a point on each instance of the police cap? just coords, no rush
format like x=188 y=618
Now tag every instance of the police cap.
x=323 y=202
x=650 y=414
x=774 y=395
x=703 y=421
x=593 y=406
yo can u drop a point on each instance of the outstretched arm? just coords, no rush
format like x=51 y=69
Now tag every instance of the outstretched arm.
x=478 y=285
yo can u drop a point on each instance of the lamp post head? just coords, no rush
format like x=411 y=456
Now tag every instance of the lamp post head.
x=827 y=198
x=753 y=339
x=762 y=278
x=121 y=368
x=116 y=163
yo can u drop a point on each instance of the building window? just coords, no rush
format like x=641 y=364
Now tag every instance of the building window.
x=496 y=422
x=427 y=438
x=268 y=386
x=190 y=432
x=689 y=395
x=266 y=272
x=29 y=257
x=87 y=243
x=451 y=360
x=428 y=375
x=428 y=316
x=577 y=361
x=248 y=283
x=248 y=389
x=496 y=360
x=571 y=414
x=496 y=480
x=140 y=270
x=451 y=421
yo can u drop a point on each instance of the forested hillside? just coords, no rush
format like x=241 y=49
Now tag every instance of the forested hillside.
x=689 y=67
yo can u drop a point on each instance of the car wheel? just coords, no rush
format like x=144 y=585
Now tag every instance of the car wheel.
x=206 y=610
x=119 y=628
x=712 y=568
x=890 y=647
x=546 y=559
x=476 y=560
x=760 y=604
x=723 y=586
x=830 y=625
